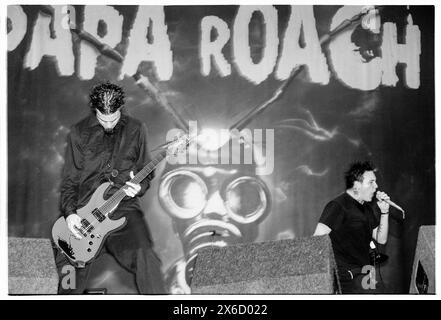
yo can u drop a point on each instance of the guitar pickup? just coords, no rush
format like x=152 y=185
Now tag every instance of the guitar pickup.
x=98 y=215
x=86 y=225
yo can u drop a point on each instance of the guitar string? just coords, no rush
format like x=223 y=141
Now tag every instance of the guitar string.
x=109 y=204
x=112 y=202
x=141 y=175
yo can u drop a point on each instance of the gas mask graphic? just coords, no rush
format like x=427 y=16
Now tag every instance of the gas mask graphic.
x=211 y=205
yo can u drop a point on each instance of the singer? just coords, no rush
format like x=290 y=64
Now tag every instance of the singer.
x=352 y=220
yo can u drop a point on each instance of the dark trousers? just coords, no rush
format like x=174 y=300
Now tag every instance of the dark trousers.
x=131 y=247
x=355 y=282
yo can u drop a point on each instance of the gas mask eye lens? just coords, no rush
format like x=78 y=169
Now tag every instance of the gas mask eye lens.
x=187 y=193
x=246 y=199
x=183 y=194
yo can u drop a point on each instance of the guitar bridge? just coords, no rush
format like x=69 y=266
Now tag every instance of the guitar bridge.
x=98 y=215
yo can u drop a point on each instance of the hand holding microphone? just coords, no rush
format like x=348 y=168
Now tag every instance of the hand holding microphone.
x=384 y=202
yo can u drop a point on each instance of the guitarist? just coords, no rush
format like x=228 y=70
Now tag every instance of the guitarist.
x=109 y=145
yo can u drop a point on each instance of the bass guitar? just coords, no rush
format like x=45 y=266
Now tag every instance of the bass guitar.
x=96 y=224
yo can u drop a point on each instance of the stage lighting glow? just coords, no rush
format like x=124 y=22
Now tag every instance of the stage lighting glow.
x=213 y=139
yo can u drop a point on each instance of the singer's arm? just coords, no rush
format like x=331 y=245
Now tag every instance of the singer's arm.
x=380 y=233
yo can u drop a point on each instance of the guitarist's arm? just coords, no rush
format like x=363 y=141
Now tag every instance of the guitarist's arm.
x=143 y=159
x=70 y=181
x=71 y=174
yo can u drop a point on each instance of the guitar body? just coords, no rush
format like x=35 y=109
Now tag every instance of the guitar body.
x=82 y=251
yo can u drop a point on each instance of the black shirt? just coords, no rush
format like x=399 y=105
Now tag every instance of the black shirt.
x=352 y=224
x=92 y=155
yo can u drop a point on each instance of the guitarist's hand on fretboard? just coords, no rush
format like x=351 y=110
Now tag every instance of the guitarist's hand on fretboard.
x=132 y=189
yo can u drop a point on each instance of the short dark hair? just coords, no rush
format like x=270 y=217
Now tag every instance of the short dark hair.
x=106 y=97
x=356 y=171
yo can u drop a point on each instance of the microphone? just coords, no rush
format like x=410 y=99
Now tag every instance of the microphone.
x=391 y=203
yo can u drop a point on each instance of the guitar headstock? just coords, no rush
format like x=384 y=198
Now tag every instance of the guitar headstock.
x=178 y=145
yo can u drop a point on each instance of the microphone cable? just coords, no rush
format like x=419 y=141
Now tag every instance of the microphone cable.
x=379 y=265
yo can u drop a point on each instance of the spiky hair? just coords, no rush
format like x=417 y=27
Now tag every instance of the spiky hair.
x=356 y=171
x=106 y=97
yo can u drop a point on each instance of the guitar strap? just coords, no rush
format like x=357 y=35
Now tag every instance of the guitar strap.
x=117 y=155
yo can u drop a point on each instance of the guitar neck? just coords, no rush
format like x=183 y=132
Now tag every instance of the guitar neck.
x=116 y=198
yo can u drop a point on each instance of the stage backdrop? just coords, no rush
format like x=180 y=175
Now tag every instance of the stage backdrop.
x=366 y=92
